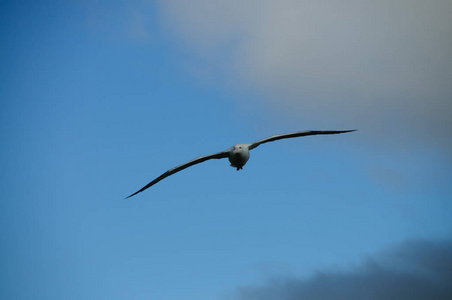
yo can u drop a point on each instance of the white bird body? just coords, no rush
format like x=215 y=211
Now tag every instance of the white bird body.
x=238 y=154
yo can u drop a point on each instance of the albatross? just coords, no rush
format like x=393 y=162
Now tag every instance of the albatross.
x=238 y=154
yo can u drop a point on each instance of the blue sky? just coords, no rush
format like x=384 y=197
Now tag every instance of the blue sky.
x=100 y=97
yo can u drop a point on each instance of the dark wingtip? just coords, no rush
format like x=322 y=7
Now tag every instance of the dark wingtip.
x=131 y=195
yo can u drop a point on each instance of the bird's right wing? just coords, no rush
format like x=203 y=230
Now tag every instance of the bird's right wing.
x=294 y=134
x=198 y=160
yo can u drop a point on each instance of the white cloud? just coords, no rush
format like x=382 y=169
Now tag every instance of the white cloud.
x=383 y=66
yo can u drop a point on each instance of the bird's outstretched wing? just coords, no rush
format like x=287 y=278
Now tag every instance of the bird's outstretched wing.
x=294 y=134
x=198 y=160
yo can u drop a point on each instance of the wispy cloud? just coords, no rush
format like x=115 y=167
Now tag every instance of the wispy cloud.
x=417 y=269
x=132 y=20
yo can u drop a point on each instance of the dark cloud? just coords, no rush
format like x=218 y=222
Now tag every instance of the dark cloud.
x=414 y=270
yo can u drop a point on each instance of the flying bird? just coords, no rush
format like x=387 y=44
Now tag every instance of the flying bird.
x=238 y=154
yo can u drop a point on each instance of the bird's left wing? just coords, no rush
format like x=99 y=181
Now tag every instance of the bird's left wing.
x=294 y=134
x=198 y=160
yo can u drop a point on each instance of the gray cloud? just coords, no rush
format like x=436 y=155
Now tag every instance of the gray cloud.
x=383 y=66
x=414 y=270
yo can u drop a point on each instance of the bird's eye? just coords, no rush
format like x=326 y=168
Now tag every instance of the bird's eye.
x=240 y=147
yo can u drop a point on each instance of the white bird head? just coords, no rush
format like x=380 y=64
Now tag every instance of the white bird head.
x=240 y=148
